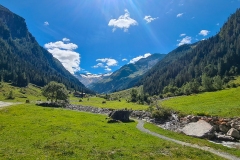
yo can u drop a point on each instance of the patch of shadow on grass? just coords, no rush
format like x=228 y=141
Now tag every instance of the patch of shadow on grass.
x=118 y=121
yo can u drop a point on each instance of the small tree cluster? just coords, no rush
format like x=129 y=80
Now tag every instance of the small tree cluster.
x=139 y=97
x=55 y=91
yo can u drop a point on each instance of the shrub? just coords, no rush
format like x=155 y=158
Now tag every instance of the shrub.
x=161 y=114
x=10 y=95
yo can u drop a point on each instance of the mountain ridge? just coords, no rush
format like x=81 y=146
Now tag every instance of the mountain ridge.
x=217 y=56
x=127 y=75
x=23 y=60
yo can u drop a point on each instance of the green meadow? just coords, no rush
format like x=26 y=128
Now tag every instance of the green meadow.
x=224 y=103
x=97 y=102
x=31 y=132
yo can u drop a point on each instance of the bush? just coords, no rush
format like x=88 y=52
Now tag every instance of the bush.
x=161 y=114
x=10 y=95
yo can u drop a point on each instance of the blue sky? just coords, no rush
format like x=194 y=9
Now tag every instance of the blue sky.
x=99 y=36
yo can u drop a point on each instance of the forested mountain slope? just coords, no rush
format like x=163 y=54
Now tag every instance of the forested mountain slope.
x=127 y=75
x=218 y=55
x=23 y=61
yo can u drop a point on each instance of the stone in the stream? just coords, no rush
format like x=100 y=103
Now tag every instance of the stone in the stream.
x=233 y=133
x=200 y=129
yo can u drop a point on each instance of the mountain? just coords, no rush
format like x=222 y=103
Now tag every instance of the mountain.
x=23 y=61
x=216 y=56
x=88 y=79
x=127 y=75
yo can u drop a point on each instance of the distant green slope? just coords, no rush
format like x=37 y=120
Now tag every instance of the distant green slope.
x=127 y=76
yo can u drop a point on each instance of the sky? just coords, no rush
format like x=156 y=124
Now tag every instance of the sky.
x=100 y=36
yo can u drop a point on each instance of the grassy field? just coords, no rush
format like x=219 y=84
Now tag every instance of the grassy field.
x=223 y=103
x=97 y=102
x=31 y=132
x=189 y=139
x=31 y=92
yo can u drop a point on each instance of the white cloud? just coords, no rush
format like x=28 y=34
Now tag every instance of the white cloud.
x=98 y=65
x=124 y=59
x=65 y=54
x=66 y=40
x=108 y=61
x=185 y=40
x=107 y=69
x=123 y=22
x=149 y=19
x=217 y=24
x=183 y=34
x=134 y=60
x=61 y=45
x=179 y=14
x=46 y=23
x=204 y=32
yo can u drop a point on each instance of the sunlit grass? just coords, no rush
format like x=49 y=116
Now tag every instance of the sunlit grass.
x=31 y=132
x=97 y=102
x=21 y=94
x=223 y=103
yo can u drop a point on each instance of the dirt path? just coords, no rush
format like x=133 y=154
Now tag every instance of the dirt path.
x=5 y=104
x=216 y=152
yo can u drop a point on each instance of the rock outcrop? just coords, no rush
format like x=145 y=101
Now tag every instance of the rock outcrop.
x=200 y=129
x=120 y=115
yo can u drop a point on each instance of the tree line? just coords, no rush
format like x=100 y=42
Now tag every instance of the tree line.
x=208 y=63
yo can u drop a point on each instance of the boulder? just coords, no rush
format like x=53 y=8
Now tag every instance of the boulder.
x=223 y=128
x=200 y=129
x=233 y=133
x=121 y=115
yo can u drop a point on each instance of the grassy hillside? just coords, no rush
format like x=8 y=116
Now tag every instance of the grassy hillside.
x=126 y=93
x=20 y=94
x=30 y=132
x=223 y=103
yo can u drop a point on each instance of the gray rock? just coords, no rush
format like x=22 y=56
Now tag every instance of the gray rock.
x=223 y=128
x=233 y=133
x=224 y=137
x=121 y=115
x=200 y=129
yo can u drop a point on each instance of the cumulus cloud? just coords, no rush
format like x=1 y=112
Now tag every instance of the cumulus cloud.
x=124 y=59
x=46 y=23
x=107 y=68
x=149 y=19
x=134 y=60
x=204 y=32
x=61 y=45
x=182 y=35
x=123 y=22
x=66 y=40
x=108 y=61
x=65 y=53
x=185 y=40
x=179 y=15
x=98 y=65
x=105 y=63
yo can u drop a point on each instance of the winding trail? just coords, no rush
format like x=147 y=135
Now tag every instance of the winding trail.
x=216 y=152
x=5 y=104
